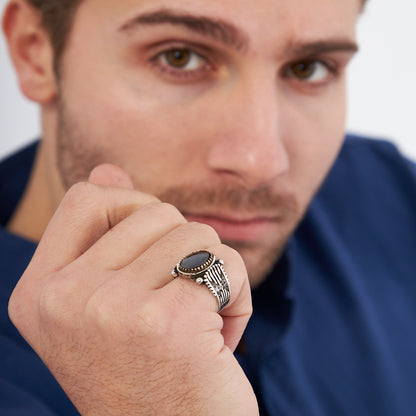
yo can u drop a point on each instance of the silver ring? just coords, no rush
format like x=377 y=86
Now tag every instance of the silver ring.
x=202 y=267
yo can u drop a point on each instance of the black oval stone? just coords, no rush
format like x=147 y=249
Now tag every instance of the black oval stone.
x=195 y=260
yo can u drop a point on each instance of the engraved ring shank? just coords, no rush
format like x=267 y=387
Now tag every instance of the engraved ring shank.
x=217 y=282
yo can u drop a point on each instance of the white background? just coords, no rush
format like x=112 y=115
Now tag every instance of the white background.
x=382 y=84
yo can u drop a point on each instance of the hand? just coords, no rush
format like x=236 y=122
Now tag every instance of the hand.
x=99 y=306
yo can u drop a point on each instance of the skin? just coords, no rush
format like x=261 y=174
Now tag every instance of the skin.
x=252 y=179
x=240 y=138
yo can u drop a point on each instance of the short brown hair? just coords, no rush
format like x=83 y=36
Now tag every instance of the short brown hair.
x=57 y=17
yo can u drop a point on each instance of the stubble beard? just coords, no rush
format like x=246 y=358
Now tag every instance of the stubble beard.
x=259 y=256
x=76 y=158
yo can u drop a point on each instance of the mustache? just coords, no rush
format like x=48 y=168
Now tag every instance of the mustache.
x=198 y=199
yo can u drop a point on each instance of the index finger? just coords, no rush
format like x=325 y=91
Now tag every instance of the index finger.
x=86 y=213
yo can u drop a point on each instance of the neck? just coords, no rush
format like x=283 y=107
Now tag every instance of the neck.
x=38 y=202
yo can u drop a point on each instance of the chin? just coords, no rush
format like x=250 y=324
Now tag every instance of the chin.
x=259 y=261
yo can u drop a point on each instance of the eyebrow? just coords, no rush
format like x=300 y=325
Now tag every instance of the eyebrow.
x=217 y=29
x=229 y=35
x=320 y=47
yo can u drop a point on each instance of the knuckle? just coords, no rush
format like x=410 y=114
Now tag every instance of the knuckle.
x=165 y=211
x=128 y=321
x=233 y=253
x=151 y=199
x=80 y=194
x=49 y=300
x=56 y=301
x=153 y=321
x=22 y=314
x=204 y=230
x=100 y=313
x=15 y=310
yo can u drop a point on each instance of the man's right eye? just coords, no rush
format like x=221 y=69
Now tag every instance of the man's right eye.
x=183 y=59
x=182 y=64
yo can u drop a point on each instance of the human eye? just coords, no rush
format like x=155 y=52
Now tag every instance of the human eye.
x=183 y=59
x=181 y=64
x=312 y=72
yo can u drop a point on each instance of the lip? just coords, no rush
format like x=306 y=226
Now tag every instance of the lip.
x=230 y=228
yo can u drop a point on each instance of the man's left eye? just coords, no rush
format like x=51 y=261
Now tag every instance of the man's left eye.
x=183 y=59
x=312 y=72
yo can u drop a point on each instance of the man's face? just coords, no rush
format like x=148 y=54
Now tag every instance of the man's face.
x=232 y=110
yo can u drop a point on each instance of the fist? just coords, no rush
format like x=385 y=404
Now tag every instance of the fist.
x=99 y=306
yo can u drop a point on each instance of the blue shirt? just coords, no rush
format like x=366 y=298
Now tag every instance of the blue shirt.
x=332 y=329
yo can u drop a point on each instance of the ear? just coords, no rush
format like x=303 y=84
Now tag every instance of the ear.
x=31 y=51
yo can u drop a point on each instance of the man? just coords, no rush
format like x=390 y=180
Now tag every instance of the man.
x=232 y=114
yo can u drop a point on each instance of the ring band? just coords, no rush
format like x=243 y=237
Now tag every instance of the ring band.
x=202 y=267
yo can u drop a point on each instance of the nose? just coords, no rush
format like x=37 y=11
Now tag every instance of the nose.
x=248 y=146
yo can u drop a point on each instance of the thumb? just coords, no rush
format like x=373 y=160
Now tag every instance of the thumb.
x=110 y=175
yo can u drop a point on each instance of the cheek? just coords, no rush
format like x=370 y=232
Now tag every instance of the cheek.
x=313 y=136
x=148 y=136
x=113 y=118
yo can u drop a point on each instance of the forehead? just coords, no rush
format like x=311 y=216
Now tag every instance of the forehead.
x=276 y=21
